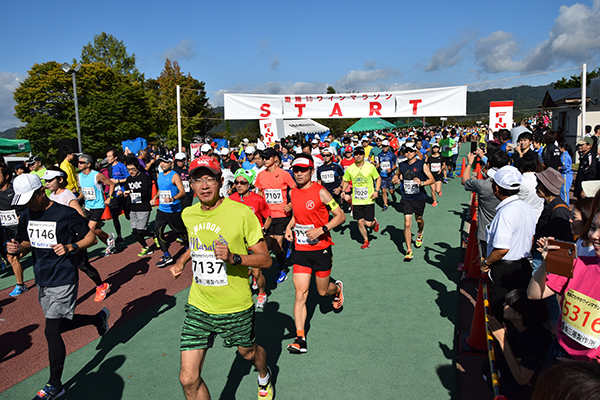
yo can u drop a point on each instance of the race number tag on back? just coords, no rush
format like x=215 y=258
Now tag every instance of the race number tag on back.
x=384 y=165
x=89 y=193
x=328 y=176
x=581 y=319
x=301 y=237
x=162 y=195
x=361 y=193
x=411 y=187
x=186 y=186
x=42 y=234
x=208 y=271
x=136 y=198
x=9 y=218
x=273 y=196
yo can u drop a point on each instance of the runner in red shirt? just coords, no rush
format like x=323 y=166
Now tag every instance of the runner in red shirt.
x=310 y=224
x=273 y=184
x=242 y=181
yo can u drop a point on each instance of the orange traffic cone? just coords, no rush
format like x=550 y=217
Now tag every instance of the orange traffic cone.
x=475 y=341
x=462 y=168
x=154 y=191
x=106 y=214
x=477 y=171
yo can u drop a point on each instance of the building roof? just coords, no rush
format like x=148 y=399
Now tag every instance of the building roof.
x=561 y=97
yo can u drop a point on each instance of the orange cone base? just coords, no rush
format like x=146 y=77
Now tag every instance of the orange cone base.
x=462 y=168
x=106 y=214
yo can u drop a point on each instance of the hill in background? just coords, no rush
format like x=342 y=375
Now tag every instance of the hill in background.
x=9 y=133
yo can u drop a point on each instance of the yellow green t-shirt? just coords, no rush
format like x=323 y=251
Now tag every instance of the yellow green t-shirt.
x=362 y=179
x=219 y=288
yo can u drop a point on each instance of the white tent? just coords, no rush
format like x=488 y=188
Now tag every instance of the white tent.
x=293 y=126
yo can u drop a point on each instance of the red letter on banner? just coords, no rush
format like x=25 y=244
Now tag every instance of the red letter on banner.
x=336 y=110
x=265 y=108
x=299 y=107
x=414 y=103
x=374 y=108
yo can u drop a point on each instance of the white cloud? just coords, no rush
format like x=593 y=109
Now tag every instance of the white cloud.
x=370 y=65
x=450 y=56
x=183 y=51
x=274 y=63
x=9 y=81
x=495 y=52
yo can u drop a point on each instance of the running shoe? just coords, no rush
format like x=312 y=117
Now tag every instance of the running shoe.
x=384 y=208
x=445 y=180
x=103 y=328
x=451 y=175
x=283 y=275
x=261 y=300
x=338 y=298
x=266 y=392
x=101 y=292
x=419 y=241
x=408 y=256
x=376 y=226
x=19 y=289
x=146 y=251
x=156 y=243
x=119 y=240
x=49 y=392
x=179 y=240
x=164 y=261
x=298 y=347
x=440 y=193
x=110 y=244
x=288 y=252
x=366 y=245
x=254 y=284
x=435 y=203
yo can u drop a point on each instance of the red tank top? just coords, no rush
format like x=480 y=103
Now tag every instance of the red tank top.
x=309 y=212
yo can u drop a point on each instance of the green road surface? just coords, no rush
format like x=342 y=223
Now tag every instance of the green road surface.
x=394 y=339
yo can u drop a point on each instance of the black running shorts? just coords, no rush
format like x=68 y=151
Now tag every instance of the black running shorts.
x=364 y=211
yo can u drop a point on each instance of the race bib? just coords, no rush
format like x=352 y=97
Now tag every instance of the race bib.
x=328 y=176
x=89 y=193
x=436 y=167
x=186 y=186
x=411 y=187
x=42 y=234
x=286 y=165
x=581 y=319
x=273 y=196
x=361 y=193
x=445 y=147
x=136 y=198
x=163 y=195
x=9 y=218
x=385 y=165
x=301 y=237
x=208 y=271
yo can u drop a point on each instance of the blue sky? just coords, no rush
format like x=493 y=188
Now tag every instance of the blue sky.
x=302 y=47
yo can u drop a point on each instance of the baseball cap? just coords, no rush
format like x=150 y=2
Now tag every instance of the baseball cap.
x=322 y=145
x=551 y=179
x=33 y=159
x=180 y=156
x=507 y=177
x=385 y=143
x=165 y=158
x=303 y=162
x=586 y=140
x=250 y=150
x=205 y=148
x=314 y=141
x=408 y=147
x=51 y=174
x=347 y=149
x=269 y=152
x=205 y=162
x=224 y=151
x=25 y=186
x=359 y=150
x=248 y=174
x=245 y=140
x=327 y=150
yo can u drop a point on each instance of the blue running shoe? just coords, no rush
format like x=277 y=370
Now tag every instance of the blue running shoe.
x=18 y=290
x=49 y=392
x=283 y=275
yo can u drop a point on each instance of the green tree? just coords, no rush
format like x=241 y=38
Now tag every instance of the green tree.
x=108 y=50
x=575 y=80
x=197 y=115
x=330 y=90
x=111 y=108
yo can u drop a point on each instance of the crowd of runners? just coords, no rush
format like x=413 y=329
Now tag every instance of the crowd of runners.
x=285 y=200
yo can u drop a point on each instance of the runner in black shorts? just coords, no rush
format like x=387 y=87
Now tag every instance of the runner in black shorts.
x=415 y=175
x=435 y=163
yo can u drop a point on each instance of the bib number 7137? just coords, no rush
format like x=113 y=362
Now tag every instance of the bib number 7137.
x=208 y=270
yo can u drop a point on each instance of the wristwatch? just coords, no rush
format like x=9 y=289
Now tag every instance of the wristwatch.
x=325 y=229
x=75 y=247
x=237 y=259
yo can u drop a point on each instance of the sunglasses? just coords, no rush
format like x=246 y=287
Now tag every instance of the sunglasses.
x=82 y=162
x=300 y=169
x=243 y=183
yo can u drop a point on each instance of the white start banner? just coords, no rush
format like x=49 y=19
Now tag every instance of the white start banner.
x=501 y=115
x=407 y=103
x=272 y=130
